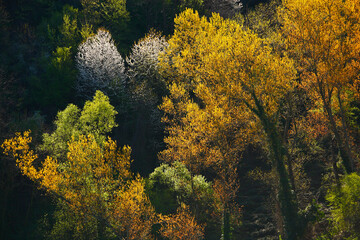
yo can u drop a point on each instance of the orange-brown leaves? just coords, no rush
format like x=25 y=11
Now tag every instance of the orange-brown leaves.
x=181 y=226
x=133 y=211
x=324 y=35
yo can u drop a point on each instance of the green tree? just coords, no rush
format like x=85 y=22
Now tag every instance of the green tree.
x=97 y=118
x=177 y=183
x=54 y=88
x=345 y=206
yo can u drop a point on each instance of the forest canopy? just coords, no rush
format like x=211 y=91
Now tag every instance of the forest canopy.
x=180 y=119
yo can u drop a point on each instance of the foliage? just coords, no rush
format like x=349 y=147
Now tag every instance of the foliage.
x=69 y=225
x=100 y=66
x=345 y=205
x=110 y=12
x=60 y=76
x=262 y=19
x=323 y=38
x=171 y=186
x=146 y=84
x=237 y=83
x=95 y=182
x=226 y=87
x=181 y=226
x=97 y=118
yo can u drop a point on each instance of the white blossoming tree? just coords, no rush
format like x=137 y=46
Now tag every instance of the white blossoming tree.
x=145 y=81
x=100 y=66
x=146 y=88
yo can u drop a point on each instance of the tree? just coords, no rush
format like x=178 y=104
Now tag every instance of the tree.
x=54 y=87
x=99 y=12
x=146 y=83
x=345 y=206
x=100 y=66
x=226 y=86
x=95 y=182
x=181 y=226
x=323 y=37
x=97 y=118
x=111 y=14
x=171 y=186
x=204 y=139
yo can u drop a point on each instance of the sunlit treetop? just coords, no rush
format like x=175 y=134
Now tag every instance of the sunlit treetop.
x=97 y=118
x=221 y=55
x=100 y=66
x=218 y=74
x=325 y=36
x=145 y=81
x=95 y=182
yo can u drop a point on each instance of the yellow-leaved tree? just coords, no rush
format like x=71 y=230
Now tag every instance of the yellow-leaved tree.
x=226 y=85
x=324 y=37
x=95 y=182
x=98 y=195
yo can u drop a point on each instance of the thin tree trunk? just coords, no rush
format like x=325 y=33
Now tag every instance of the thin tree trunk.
x=291 y=172
x=346 y=127
x=343 y=153
x=335 y=169
x=286 y=197
x=226 y=223
x=289 y=159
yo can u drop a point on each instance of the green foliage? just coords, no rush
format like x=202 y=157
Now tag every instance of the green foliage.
x=68 y=225
x=355 y=114
x=70 y=30
x=111 y=14
x=169 y=186
x=345 y=206
x=114 y=11
x=194 y=4
x=96 y=118
x=54 y=87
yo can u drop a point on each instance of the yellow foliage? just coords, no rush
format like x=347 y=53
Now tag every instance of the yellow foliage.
x=96 y=182
x=325 y=36
x=232 y=62
x=224 y=83
x=19 y=148
x=219 y=75
x=133 y=211
x=181 y=226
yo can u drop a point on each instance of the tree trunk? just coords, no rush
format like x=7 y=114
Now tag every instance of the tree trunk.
x=226 y=224
x=286 y=197
x=335 y=169
x=346 y=128
x=291 y=173
x=343 y=153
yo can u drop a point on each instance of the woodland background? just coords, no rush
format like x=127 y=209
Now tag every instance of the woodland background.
x=179 y=119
